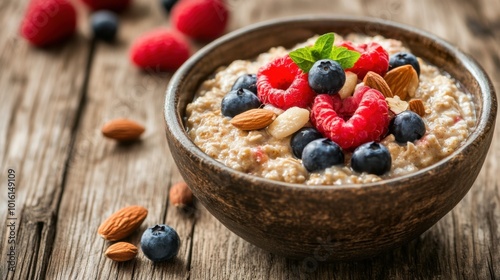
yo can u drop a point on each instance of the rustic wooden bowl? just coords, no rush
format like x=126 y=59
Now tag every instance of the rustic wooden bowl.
x=328 y=222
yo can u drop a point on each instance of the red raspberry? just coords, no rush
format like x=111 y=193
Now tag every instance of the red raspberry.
x=113 y=5
x=48 y=21
x=282 y=84
x=200 y=19
x=358 y=119
x=373 y=58
x=161 y=49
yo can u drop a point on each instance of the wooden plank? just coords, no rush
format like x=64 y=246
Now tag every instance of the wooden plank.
x=39 y=101
x=463 y=245
x=104 y=176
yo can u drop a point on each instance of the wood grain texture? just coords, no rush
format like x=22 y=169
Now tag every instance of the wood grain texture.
x=40 y=94
x=39 y=100
x=105 y=176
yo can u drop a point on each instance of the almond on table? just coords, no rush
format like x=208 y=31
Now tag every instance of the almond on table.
x=122 y=223
x=180 y=195
x=122 y=130
x=121 y=251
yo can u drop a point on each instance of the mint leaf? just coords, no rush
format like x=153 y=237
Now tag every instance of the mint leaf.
x=324 y=49
x=345 y=57
x=323 y=46
x=303 y=57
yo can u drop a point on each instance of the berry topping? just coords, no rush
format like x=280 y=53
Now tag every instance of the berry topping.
x=407 y=127
x=320 y=154
x=247 y=81
x=48 y=21
x=104 y=25
x=326 y=76
x=303 y=137
x=113 y=5
x=161 y=49
x=353 y=121
x=200 y=19
x=282 y=84
x=371 y=157
x=160 y=243
x=168 y=4
x=373 y=58
x=239 y=101
x=404 y=58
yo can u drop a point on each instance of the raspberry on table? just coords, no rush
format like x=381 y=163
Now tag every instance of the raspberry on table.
x=59 y=22
x=283 y=84
x=112 y=5
x=161 y=49
x=373 y=58
x=200 y=19
x=353 y=121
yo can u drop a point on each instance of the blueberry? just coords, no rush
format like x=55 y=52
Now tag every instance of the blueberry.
x=247 y=81
x=238 y=101
x=371 y=157
x=104 y=25
x=404 y=58
x=320 y=154
x=303 y=137
x=407 y=127
x=326 y=76
x=160 y=243
x=168 y=4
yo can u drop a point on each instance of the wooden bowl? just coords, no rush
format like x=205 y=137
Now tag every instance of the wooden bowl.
x=328 y=222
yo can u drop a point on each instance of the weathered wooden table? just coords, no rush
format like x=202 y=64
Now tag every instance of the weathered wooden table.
x=69 y=178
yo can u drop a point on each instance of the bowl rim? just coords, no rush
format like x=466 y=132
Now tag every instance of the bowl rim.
x=485 y=117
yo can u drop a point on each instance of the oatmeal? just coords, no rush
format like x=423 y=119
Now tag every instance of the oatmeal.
x=449 y=119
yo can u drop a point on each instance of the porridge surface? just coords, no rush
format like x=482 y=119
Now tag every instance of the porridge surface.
x=449 y=119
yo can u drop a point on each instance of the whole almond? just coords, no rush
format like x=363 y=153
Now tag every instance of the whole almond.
x=417 y=106
x=351 y=79
x=396 y=105
x=376 y=81
x=121 y=251
x=403 y=81
x=253 y=119
x=122 y=130
x=180 y=195
x=122 y=223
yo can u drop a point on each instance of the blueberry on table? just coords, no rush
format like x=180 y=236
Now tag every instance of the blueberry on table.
x=326 y=76
x=404 y=58
x=238 y=101
x=168 y=4
x=372 y=158
x=407 y=126
x=247 y=81
x=104 y=25
x=160 y=243
x=320 y=154
x=303 y=137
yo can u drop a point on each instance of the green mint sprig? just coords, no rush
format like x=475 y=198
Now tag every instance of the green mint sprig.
x=324 y=49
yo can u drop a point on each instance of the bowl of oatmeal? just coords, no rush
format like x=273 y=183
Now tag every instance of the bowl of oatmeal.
x=394 y=151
